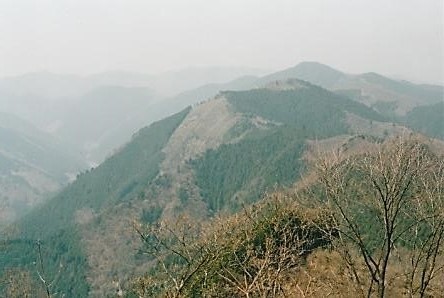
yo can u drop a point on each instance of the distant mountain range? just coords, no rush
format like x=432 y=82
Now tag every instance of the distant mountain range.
x=95 y=115
x=59 y=86
x=389 y=97
x=99 y=113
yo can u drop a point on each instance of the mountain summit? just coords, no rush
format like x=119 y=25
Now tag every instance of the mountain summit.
x=313 y=72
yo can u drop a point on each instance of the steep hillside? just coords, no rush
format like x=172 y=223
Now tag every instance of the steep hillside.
x=297 y=243
x=389 y=96
x=23 y=142
x=428 y=120
x=32 y=166
x=213 y=158
x=270 y=140
x=122 y=177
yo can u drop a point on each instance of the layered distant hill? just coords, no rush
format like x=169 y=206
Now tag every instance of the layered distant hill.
x=99 y=113
x=392 y=98
x=51 y=85
x=33 y=165
x=427 y=119
x=388 y=96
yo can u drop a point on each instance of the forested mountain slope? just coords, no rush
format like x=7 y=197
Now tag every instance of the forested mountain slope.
x=211 y=159
x=427 y=119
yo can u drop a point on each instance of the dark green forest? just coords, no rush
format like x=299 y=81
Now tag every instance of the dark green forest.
x=428 y=120
x=317 y=111
x=249 y=167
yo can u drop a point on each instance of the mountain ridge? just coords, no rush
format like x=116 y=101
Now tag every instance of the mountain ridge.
x=211 y=158
x=215 y=157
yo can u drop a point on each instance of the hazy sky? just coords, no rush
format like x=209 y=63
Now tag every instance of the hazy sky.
x=402 y=37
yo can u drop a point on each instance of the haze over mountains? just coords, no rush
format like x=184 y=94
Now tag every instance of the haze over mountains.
x=50 y=101
x=91 y=117
x=33 y=165
x=228 y=148
x=240 y=139
x=85 y=156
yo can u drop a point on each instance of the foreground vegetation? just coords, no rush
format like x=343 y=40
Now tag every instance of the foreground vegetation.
x=370 y=224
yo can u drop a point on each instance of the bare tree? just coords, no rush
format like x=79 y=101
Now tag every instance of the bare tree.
x=47 y=284
x=426 y=256
x=381 y=200
x=178 y=251
x=250 y=254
